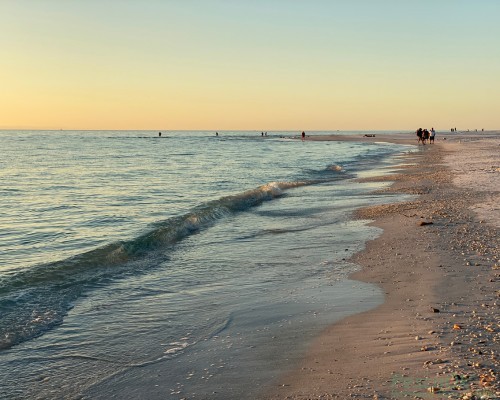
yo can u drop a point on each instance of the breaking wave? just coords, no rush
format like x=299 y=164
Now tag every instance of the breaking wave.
x=36 y=300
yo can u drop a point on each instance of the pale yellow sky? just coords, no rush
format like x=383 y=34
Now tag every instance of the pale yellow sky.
x=265 y=65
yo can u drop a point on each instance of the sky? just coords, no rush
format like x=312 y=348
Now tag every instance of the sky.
x=249 y=65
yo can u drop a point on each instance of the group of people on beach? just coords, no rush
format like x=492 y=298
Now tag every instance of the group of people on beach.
x=424 y=135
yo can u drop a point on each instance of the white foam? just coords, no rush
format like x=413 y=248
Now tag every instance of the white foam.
x=176 y=347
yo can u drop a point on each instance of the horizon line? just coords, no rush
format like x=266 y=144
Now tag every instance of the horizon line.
x=233 y=130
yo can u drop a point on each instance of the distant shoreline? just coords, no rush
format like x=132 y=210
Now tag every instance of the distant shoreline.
x=403 y=138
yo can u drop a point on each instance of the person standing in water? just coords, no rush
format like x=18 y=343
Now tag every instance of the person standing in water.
x=303 y=135
x=431 y=137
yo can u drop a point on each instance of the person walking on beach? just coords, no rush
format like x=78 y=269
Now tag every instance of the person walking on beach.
x=303 y=135
x=425 y=136
x=419 y=135
x=432 y=136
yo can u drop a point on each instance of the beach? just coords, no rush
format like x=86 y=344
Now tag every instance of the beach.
x=178 y=266
x=227 y=200
x=228 y=279
x=436 y=335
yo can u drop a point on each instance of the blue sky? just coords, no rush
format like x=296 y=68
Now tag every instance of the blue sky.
x=276 y=64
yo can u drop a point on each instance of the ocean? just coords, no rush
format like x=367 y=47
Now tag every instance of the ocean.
x=186 y=266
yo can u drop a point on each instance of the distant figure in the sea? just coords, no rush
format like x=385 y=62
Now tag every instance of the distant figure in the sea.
x=303 y=135
x=216 y=133
x=420 y=132
x=159 y=134
x=262 y=134
x=433 y=135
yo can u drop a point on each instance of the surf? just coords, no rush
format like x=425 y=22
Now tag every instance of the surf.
x=36 y=300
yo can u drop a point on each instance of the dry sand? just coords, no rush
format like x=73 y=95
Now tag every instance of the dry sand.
x=436 y=336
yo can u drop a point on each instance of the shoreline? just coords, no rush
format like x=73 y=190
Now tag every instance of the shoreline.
x=436 y=334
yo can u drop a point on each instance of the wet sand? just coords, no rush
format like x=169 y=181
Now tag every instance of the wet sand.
x=437 y=333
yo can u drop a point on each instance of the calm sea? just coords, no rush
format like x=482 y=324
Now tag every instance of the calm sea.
x=190 y=266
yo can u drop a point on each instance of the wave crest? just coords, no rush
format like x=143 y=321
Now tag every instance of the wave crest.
x=36 y=300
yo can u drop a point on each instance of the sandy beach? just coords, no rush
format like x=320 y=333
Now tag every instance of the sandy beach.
x=437 y=333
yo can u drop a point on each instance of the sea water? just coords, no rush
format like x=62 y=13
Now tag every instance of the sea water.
x=186 y=266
